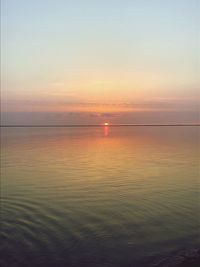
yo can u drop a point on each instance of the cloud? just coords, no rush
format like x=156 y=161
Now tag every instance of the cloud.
x=71 y=118
x=105 y=115
x=99 y=109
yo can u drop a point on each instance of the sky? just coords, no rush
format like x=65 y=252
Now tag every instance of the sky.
x=91 y=61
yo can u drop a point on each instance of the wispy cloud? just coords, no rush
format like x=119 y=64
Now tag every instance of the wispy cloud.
x=105 y=115
x=111 y=108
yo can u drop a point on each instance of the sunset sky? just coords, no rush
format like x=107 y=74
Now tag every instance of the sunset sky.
x=91 y=61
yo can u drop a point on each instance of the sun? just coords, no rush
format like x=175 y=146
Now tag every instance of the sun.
x=106 y=124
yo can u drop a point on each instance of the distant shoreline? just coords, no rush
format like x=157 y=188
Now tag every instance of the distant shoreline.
x=99 y=125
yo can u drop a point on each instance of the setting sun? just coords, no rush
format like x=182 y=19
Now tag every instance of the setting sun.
x=105 y=123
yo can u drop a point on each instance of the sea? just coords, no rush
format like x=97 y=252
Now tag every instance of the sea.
x=107 y=196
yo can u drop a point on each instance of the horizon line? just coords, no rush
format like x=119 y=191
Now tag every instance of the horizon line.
x=95 y=125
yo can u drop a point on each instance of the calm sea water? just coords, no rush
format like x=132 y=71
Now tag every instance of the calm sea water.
x=118 y=196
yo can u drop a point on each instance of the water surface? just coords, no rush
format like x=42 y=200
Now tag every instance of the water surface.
x=98 y=196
